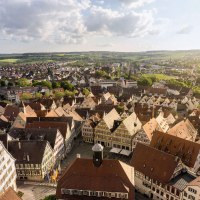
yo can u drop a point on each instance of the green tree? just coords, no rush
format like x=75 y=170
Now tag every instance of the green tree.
x=50 y=197
x=43 y=83
x=69 y=93
x=102 y=74
x=23 y=82
x=47 y=94
x=59 y=94
x=2 y=83
x=47 y=84
x=10 y=84
x=38 y=95
x=144 y=81
x=86 y=92
x=55 y=84
x=26 y=96
x=67 y=86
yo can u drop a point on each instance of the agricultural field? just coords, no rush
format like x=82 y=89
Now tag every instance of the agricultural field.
x=9 y=60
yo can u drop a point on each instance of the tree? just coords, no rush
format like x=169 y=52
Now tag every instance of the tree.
x=86 y=92
x=47 y=94
x=23 y=82
x=59 y=94
x=102 y=74
x=50 y=197
x=69 y=93
x=10 y=84
x=26 y=96
x=67 y=86
x=120 y=108
x=144 y=81
x=43 y=83
x=38 y=95
x=2 y=83
x=55 y=84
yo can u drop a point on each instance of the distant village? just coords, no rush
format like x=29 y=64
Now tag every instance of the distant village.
x=156 y=128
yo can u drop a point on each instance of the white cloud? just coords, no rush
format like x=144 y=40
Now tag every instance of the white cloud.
x=42 y=19
x=186 y=29
x=135 y=3
x=70 y=21
x=107 y=21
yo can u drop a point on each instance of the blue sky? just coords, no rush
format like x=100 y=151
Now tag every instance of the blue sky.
x=102 y=25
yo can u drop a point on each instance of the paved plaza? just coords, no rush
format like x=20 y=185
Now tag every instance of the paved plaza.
x=85 y=151
x=35 y=192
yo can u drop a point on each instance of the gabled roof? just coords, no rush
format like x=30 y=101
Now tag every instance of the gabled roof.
x=11 y=112
x=111 y=117
x=184 y=129
x=111 y=176
x=132 y=124
x=42 y=134
x=46 y=102
x=186 y=150
x=35 y=105
x=150 y=127
x=34 y=149
x=153 y=163
x=61 y=126
x=106 y=96
x=51 y=113
x=60 y=112
x=9 y=194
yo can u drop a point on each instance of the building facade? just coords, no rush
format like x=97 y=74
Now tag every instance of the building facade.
x=7 y=169
x=34 y=159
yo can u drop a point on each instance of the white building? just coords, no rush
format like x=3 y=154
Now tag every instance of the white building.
x=7 y=169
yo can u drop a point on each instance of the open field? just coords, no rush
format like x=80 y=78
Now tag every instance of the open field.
x=9 y=60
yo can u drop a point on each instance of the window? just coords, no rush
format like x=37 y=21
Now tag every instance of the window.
x=191 y=197
x=185 y=194
x=177 y=193
x=86 y=192
x=65 y=191
x=192 y=190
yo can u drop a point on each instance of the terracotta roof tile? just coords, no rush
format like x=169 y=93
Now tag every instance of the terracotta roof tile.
x=186 y=150
x=9 y=194
x=153 y=163
x=111 y=176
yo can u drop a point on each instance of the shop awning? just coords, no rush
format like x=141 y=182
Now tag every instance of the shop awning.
x=125 y=152
x=115 y=150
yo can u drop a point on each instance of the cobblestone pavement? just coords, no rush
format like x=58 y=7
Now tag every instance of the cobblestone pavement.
x=85 y=151
x=33 y=192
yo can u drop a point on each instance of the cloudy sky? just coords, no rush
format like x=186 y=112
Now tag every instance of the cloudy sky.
x=110 y=25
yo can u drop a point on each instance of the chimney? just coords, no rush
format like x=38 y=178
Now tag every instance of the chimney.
x=19 y=145
x=97 y=155
x=78 y=155
x=27 y=157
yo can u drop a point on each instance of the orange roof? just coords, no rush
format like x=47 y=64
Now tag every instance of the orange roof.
x=150 y=127
x=153 y=163
x=186 y=150
x=9 y=194
x=185 y=130
x=111 y=176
